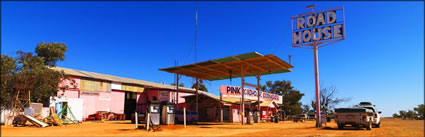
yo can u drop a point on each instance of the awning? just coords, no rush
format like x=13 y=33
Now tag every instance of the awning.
x=230 y=67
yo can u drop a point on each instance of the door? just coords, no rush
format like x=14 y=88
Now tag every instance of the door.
x=129 y=104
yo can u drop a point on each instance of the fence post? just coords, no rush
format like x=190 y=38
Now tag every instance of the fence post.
x=221 y=115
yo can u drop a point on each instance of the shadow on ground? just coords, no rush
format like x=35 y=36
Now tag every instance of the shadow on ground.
x=345 y=128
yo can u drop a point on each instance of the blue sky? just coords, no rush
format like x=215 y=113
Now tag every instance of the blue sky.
x=381 y=60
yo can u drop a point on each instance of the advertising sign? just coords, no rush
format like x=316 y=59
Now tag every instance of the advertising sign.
x=235 y=91
x=163 y=96
x=322 y=26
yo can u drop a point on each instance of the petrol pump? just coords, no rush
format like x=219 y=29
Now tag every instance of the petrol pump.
x=256 y=116
x=168 y=114
x=154 y=111
x=250 y=117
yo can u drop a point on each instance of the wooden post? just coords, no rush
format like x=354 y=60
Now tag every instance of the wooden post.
x=29 y=98
x=135 y=117
x=184 y=116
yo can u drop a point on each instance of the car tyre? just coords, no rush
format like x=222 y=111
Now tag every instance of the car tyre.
x=340 y=126
x=369 y=126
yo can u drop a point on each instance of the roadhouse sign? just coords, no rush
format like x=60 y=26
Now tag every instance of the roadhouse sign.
x=322 y=26
x=249 y=93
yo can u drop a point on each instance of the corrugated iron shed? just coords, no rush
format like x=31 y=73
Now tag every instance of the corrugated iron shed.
x=123 y=80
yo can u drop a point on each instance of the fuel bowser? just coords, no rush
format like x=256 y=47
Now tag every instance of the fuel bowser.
x=167 y=117
x=250 y=117
x=256 y=117
x=154 y=113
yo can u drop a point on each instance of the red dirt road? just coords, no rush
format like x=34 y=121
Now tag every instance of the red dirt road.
x=389 y=127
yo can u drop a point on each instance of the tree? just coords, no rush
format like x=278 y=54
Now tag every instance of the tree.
x=420 y=111
x=51 y=52
x=328 y=99
x=201 y=86
x=290 y=97
x=180 y=85
x=28 y=78
x=35 y=79
x=411 y=114
x=8 y=71
x=306 y=109
x=403 y=114
x=395 y=115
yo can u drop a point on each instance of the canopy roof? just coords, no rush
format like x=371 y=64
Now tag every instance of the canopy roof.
x=223 y=68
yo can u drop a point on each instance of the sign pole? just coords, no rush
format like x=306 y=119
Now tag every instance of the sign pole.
x=330 y=30
x=316 y=78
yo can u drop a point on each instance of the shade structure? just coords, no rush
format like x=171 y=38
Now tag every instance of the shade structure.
x=230 y=67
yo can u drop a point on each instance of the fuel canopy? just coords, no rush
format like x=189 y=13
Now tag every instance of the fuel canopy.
x=230 y=67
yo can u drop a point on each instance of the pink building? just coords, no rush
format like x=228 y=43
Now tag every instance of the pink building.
x=101 y=92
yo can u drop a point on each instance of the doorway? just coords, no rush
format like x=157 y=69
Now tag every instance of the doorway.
x=129 y=104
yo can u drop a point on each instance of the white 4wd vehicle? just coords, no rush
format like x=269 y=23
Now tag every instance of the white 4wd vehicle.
x=376 y=117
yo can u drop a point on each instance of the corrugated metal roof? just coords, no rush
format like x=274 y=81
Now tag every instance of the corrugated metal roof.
x=112 y=78
x=224 y=68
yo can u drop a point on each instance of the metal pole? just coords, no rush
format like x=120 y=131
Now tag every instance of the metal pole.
x=258 y=92
x=177 y=90
x=243 y=95
x=197 y=87
x=316 y=74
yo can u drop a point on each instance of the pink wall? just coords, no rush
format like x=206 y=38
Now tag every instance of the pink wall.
x=117 y=102
x=68 y=93
x=89 y=104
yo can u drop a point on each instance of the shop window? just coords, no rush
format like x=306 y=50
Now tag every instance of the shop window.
x=134 y=96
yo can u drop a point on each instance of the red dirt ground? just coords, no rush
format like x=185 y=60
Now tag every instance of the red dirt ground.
x=389 y=127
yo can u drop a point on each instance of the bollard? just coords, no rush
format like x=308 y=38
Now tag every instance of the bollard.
x=184 y=116
x=135 y=117
x=148 y=121
x=221 y=115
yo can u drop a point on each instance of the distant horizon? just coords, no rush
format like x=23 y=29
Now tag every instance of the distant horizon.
x=381 y=59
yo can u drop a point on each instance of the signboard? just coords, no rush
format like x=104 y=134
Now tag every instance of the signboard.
x=116 y=86
x=322 y=26
x=163 y=96
x=236 y=92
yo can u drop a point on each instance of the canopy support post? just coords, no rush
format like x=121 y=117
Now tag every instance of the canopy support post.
x=258 y=92
x=177 y=90
x=243 y=95
x=197 y=87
